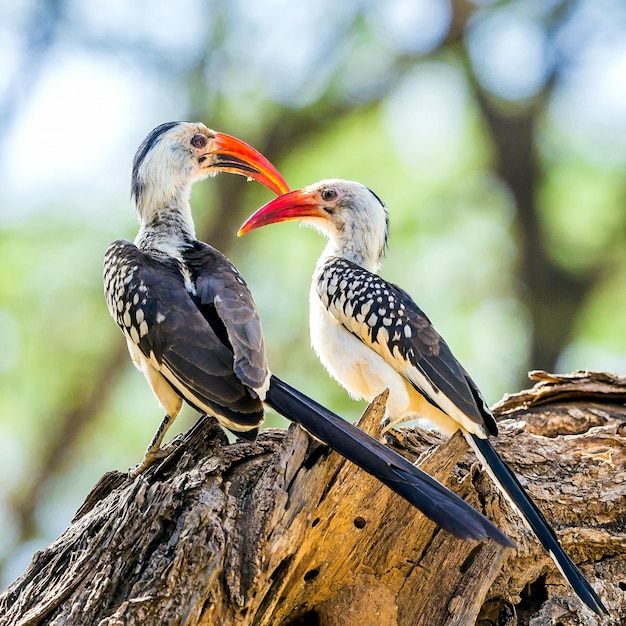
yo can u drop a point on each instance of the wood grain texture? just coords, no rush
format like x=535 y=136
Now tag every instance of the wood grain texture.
x=283 y=532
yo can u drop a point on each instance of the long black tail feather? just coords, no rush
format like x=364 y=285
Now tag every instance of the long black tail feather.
x=510 y=485
x=434 y=500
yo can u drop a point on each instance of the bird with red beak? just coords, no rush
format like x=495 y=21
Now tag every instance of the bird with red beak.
x=370 y=335
x=156 y=287
x=192 y=327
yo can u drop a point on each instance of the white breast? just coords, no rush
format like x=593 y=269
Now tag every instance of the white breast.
x=365 y=374
x=349 y=361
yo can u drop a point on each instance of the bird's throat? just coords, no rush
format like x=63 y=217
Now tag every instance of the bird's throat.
x=356 y=252
x=170 y=224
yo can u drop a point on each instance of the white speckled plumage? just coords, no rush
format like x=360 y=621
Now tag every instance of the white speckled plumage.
x=192 y=327
x=161 y=279
x=370 y=335
x=359 y=325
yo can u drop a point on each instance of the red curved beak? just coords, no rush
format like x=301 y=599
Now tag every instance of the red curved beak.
x=290 y=206
x=237 y=157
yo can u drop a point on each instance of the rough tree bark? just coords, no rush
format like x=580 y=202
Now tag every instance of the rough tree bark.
x=282 y=532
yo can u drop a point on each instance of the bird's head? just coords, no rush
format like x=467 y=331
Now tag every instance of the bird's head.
x=176 y=154
x=352 y=216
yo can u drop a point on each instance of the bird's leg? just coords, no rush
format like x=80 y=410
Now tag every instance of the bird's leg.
x=168 y=398
x=154 y=452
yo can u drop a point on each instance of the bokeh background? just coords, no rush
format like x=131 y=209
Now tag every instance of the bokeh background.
x=494 y=131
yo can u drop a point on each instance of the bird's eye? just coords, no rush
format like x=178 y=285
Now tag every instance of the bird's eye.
x=199 y=141
x=329 y=194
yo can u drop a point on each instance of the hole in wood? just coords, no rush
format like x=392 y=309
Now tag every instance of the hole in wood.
x=310 y=618
x=532 y=597
x=314 y=454
x=359 y=522
x=311 y=574
x=315 y=522
x=469 y=559
x=281 y=568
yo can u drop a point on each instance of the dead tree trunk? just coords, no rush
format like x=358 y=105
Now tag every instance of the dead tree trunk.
x=282 y=532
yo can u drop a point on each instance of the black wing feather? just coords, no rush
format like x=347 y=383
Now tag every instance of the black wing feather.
x=427 y=352
x=222 y=292
x=186 y=348
x=428 y=495
x=410 y=334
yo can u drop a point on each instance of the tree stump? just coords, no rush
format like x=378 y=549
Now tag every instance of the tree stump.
x=283 y=532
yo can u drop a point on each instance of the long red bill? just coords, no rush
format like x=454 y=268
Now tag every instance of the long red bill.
x=290 y=206
x=237 y=157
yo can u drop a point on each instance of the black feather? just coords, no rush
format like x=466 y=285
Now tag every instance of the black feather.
x=540 y=526
x=382 y=204
x=428 y=353
x=198 y=354
x=136 y=186
x=424 y=348
x=425 y=493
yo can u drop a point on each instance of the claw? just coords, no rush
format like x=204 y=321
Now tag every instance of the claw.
x=152 y=455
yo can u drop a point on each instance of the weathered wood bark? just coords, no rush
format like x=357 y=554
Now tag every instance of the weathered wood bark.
x=281 y=532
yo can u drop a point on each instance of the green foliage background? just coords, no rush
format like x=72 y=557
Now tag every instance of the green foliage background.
x=400 y=96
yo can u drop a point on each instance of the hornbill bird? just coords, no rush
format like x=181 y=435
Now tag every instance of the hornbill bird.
x=370 y=335
x=192 y=326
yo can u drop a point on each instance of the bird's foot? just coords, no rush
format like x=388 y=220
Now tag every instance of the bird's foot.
x=152 y=454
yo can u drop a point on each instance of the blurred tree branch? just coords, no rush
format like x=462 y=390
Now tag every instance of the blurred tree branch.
x=552 y=295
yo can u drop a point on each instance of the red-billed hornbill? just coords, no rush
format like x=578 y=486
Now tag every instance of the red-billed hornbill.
x=370 y=335
x=192 y=326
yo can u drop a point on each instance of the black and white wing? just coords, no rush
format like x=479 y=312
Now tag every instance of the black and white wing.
x=186 y=337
